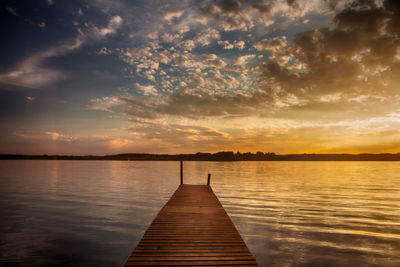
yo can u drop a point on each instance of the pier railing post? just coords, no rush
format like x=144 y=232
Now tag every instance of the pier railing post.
x=181 y=171
x=208 y=179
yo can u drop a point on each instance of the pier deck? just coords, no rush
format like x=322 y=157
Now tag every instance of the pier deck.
x=192 y=229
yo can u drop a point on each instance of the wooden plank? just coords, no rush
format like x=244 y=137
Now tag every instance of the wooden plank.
x=191 y=258
x=192 y=229
x=186 y=254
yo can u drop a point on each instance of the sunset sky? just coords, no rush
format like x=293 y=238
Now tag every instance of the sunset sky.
x=107 y=77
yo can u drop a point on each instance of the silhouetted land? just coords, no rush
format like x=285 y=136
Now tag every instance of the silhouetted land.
x=219 y=156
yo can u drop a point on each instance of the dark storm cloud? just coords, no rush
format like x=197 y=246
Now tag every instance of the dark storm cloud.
x=233 y=6
x=196 y=104
x=140 y=108
x=358 y=55
x=243 y=15
x=236 y=14
x=191 y=104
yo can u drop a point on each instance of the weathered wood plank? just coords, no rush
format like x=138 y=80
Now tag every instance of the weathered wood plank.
x=192 y=229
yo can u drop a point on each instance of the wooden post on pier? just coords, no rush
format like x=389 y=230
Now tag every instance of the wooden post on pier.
x=208 y=179
x=181 y=172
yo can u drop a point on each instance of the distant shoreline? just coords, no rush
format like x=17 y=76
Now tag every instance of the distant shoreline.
x=219 y=156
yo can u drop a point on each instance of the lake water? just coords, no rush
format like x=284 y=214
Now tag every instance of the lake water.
x=93 y=213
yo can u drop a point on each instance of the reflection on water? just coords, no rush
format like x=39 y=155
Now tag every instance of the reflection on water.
x=289 y=213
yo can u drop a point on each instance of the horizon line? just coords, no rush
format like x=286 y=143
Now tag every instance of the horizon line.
x=210 y=153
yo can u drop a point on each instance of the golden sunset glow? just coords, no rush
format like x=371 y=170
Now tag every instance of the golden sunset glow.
x=270 y=76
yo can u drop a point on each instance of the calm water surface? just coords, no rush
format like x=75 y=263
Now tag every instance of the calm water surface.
x=93 y=213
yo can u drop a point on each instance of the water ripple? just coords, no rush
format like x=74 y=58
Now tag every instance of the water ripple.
x=81 y=213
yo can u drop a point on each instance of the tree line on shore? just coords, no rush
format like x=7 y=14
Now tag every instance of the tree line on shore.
x=219 y=156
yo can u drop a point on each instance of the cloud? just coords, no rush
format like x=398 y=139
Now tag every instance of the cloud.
x=146 y=90
x=278 y=47
x=195 y=104
x=244 y=15
x=285 y=136
x=186 y=136
x=207 y=36
x=177 y=137
x=33 y=73
x=244 y=59
x=187 y=45
x=42 y=25
x=184 y=29
x=192 y=104
x=169 y=16
x=118 y=143
x=12 y=11
x=357 y=56
x=196 y=86
x=318 y=71
x=139 y=109
x=113 y=25
x=152 y=35
x=334 y=72
x=236 y=44
x=215 y=61
x=54 y=142
x=105 y=103
x=171 y=38
x=104 y=51
x=233 y=15
x=226 y=44
x=29 y=99
x=43 y=136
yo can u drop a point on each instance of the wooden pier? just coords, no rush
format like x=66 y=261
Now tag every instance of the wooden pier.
x=192 y=229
